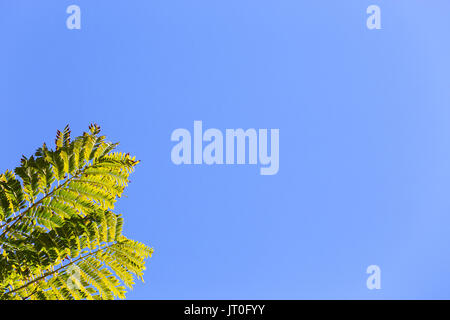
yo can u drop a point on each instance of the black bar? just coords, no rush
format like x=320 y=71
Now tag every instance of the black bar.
x=230 y=309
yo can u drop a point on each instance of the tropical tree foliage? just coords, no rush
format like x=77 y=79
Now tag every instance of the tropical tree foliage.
x=59 y=235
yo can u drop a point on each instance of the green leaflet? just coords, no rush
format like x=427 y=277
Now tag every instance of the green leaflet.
x=57 y=216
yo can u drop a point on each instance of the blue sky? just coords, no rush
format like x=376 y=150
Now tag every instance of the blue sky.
x=364 y=119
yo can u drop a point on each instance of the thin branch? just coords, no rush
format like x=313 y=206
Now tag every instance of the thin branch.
x=25 y=298
x=19 y=217
x=45 y=275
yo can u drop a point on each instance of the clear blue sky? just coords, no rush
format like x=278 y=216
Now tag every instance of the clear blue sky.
x=364 y=119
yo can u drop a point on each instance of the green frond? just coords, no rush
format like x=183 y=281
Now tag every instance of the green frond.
x=13 y=191
x=45 y=216
x=56 y=214
x=62 y=138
